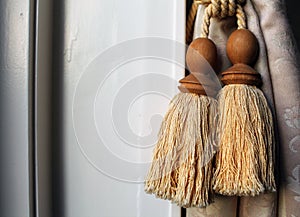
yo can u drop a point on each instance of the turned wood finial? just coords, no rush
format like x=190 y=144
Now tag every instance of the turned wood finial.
x=201 y=51
x=242 y=47
x=201 y=54
x=242 y=51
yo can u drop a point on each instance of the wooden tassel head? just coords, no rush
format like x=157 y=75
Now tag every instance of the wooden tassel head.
x=201 y=57
x=242 y=51
x=201 y=47
x=242 y=47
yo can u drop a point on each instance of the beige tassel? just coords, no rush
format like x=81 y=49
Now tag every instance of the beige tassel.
x=181 y=169
x=245 y=161
x=244 y=164
x=195 y=169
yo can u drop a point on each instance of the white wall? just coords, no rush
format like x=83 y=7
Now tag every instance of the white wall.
x=109 y=104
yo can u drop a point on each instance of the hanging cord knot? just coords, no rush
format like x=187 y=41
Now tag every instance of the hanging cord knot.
x=221 y=9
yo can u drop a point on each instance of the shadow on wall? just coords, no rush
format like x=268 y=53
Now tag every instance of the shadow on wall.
x=294 y=17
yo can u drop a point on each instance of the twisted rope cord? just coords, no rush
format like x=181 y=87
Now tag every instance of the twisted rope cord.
x=219 y=9
x=190 y=22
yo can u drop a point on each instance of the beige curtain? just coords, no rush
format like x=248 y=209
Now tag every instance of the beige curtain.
x=278 y=65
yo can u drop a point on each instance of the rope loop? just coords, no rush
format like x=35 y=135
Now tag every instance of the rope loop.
x=221 y=9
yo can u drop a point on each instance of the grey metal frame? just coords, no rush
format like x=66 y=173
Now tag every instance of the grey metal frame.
x=16 y=98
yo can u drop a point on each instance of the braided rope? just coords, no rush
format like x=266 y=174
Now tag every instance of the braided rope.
x=219 y=9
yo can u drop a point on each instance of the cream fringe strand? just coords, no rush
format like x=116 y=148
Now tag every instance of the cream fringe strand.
x=181 y=169
x=245 y=161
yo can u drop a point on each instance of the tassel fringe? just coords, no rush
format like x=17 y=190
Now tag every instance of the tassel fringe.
x=182 y=167
x=245 y=161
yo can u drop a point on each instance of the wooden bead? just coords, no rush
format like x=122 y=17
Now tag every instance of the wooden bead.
x=200 y=57
x=242 y=50
x=201 y=51
x=242 y=47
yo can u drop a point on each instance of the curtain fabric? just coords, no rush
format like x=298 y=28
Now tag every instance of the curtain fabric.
x=279 y=68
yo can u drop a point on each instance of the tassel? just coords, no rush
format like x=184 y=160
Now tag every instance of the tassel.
x=181 y=169
x=245 y=161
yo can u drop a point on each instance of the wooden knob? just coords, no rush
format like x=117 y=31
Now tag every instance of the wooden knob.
x=200 y=57
x=242 y=47
x=201 y=51
x=242 y=50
